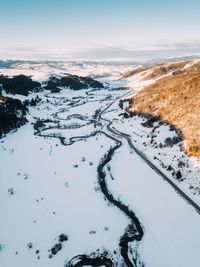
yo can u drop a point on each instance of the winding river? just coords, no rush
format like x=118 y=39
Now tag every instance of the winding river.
x=134 y=231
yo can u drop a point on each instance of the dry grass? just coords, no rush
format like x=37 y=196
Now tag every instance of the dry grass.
x=176 y=99
x=141 y=70
x=158 y=71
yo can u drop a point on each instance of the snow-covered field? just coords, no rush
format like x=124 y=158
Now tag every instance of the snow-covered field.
x=152 y=142
x=50 y=193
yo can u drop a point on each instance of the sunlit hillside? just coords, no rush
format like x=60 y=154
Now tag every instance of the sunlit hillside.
x=175 y=98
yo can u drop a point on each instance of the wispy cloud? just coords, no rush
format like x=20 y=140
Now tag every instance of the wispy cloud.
x=99 y=52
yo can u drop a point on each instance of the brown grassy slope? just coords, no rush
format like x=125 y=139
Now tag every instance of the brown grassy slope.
x=139 y=70
x=175 y=99
x=158 y=70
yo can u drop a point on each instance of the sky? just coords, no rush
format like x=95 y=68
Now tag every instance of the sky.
x=97 y=28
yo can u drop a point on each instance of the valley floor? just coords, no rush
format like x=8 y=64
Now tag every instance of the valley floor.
x=54 y=205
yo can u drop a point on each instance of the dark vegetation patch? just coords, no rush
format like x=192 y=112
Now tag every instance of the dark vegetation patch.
x=170 y=141
x=154 y=122
x=42 y=123
x=63 y=237
x=96 y=259
x=123 y=101
x=19 y=84
x=149 y=122
x=12 y=114
x=38 y=125
x=33 y=102
x=73 y=82
x=178 y=175
x=58 y=246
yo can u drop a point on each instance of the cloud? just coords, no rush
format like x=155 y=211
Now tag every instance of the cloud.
x=143 y=52
x=99 y=52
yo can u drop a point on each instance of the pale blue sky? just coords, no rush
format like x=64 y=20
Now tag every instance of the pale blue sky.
x=65 y=25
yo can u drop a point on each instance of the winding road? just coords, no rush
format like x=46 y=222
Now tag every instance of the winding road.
x=148 y=162
x=135 y=230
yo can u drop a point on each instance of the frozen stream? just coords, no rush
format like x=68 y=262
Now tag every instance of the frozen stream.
x=56 y=191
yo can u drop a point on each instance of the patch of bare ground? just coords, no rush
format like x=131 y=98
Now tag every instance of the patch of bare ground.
x=175 y=98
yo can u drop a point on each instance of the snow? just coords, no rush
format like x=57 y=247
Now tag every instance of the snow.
x=171 y=225
x=55 y=187
x=42 y=71
x=160 y=156
x=49 y=168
